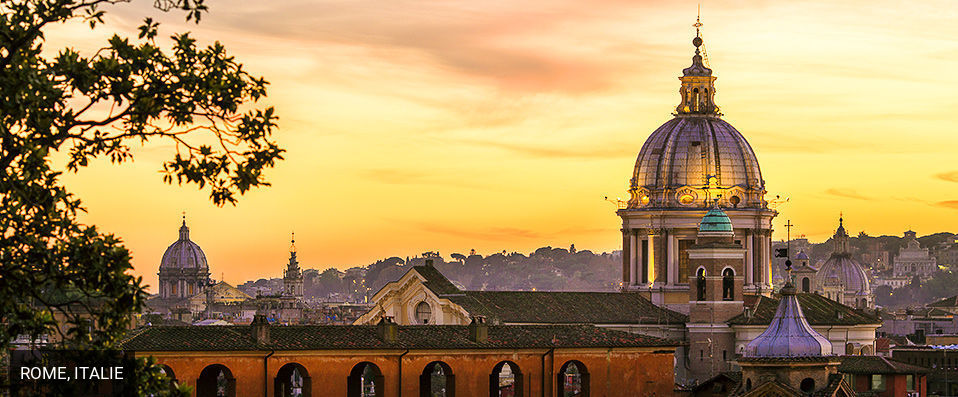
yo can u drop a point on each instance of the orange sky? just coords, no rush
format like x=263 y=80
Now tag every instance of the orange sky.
x=450 y=125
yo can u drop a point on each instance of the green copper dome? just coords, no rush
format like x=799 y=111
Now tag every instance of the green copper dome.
x=716 y=222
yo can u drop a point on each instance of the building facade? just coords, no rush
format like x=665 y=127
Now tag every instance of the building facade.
x=389 y=360
x=912 y=260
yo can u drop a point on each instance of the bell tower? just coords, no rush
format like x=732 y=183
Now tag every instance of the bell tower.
x=293 y=276
x=715 y=295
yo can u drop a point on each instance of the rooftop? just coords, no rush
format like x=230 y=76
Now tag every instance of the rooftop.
x=366 y=337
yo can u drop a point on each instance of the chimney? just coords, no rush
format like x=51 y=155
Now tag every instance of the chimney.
x=388 y=330
x=260 y=329
x=478 y=330
x=429 y=262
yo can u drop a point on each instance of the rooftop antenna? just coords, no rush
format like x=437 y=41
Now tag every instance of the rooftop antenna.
x=697 y=25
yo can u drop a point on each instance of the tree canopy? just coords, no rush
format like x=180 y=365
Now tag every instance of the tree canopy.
x=56 y=270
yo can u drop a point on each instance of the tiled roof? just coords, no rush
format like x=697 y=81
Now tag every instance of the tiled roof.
x=538 y=307
x=818 y=310
x=947 y=302
x=347 y=337
x=436 y=282
x=867 y=365
x=566 y=307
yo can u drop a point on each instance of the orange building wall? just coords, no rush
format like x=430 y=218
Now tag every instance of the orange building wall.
x=613 y=372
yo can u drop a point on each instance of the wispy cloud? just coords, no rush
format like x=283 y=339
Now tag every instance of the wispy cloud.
x=846 y=193
x=948 y=176
x=953 y=204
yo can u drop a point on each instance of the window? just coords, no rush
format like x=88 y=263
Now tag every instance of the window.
x=423 y=313
x=505 y=380
x=806 y=284
x=573 y=379
x=437 y=380
x=807 y=385
x=365 y=380
x=878 y=382
x=728 y=284
x=910 y=382
x=684 y=261
x=216 y=381
x=700 y=285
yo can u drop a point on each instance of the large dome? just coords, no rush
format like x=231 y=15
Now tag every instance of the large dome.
x=678 y=158
x=184 y=253
x=696 y=157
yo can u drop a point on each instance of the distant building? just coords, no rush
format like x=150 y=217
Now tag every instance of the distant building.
x=912 y=260
x=884 y=377
x=942 y=362
x=183 y=268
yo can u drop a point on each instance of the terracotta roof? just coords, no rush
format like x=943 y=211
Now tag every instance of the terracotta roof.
x=867 y=365
x=436 y=282
x=551 y=307
x=348 y=337
x=566 y=307
x=818 y=310
x=947 y=302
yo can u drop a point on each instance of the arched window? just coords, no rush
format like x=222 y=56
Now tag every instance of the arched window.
x=806 y=284
x=423 y=313
x=437 y=380
x=216 y=381
x=748 y=384
x=170 y=376
x=735 y=200
x=807 y=385
x=365 y=380
x=505 y=380
x=573 y=380
x=728 y=284
x=292 y=380
x=700 y=284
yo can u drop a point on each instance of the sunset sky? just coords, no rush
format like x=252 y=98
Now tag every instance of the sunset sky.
x=451 y=125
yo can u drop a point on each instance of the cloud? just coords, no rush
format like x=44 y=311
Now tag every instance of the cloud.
x=846 y=193
x=953 y=204
x=541 y=151
x=948 y=176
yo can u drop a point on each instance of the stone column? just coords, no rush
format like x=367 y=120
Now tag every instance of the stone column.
x=673 y=260
x=639 y=259
x=627 y=273
x=749 y=258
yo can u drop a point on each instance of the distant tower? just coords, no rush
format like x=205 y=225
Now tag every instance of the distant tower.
x=715 y=296
x=293 y=276
x=684 y=165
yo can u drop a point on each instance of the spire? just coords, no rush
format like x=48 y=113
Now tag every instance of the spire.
x=184 y=230
x=841 y=237
x=292 y=243
x=698 y=89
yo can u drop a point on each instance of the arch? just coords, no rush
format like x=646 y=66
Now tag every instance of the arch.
x=166 y=370
x=437 y=380
x=423 y=313
x=292 y=380
x=748 y=384
x=365 y=380
x=806 y=284
x=700 y=284
x=216 y=380
x=573 y=379
x=728 y=284
x=807 y=385
x=506 y=383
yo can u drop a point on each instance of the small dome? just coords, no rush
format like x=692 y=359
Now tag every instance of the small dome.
x=789 y=335
x=715 y=222
x=184 y=253
x=802 y=256
x=842 y=269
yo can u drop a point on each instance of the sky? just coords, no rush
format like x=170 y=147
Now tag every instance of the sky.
x=450 y=125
